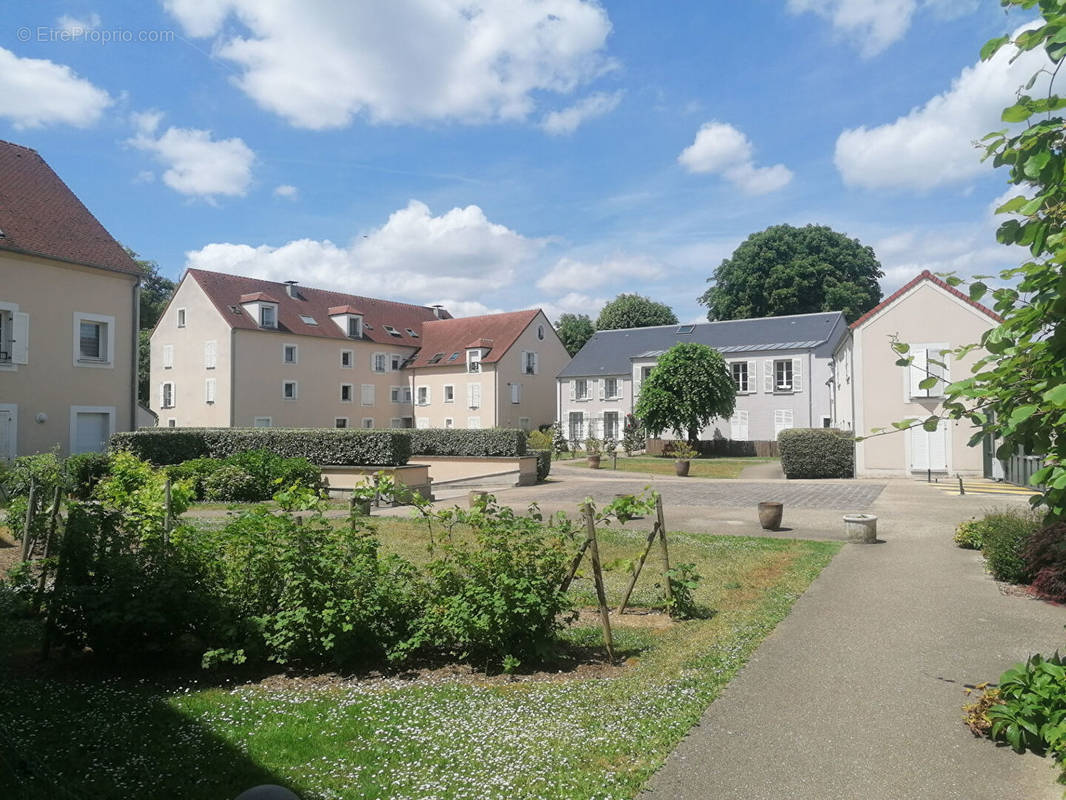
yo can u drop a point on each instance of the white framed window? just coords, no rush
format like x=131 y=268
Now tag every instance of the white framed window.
x=355 y=327
x=168 y=356
x=610 y=389
x=380 y=362
x=645 y=373
x=210 y=354
x=14 y=336
x=782 y=420
x=928 y=361
x=396 y=362
x=525 y=424
x=340 y=422
x=166 y=394
x=396 y=422
x=347 y=359
x=576 y=427
x=449 y=422
x=290 y=354
x=741 y=377
x=366 y=394
x=91 y=428
x=449 y=393
x=610 y=425
x=473 y=423
x=540 y=332
x=94 y=340
x=209 y=390
x=289 y=390
x=423 y=396
x=368 y=422
x=581 y=389
x=422 y=422
x=171 y=422
x=783 y=375
x=473 y=361
x=516 y=393
x=262 y=422
x=827 y=422
x=530 y=365
x=181 y=317
x=473 y=395
x=738 y=426
x=347 y=392
x=268 y=315
x=400 y=395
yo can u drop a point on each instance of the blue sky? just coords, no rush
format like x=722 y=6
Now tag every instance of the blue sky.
x=501 y=155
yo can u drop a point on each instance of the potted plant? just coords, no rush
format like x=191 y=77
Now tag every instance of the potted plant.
x=593 y=451
x=683 y=454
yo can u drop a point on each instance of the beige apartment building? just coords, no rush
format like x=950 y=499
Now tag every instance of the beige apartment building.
x=69 y=297
x=871 y=391
x=496 y=370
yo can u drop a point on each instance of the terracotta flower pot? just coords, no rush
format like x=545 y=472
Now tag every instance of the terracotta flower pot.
x=594 y=462
x=681 y=467
x=770 y=515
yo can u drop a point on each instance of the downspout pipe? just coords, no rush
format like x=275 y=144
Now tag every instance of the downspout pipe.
x=135 y=357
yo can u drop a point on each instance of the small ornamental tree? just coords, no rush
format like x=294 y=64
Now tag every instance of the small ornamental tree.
x=689 y=387
x=634 y=311
x=633 y=435
x=559 y=441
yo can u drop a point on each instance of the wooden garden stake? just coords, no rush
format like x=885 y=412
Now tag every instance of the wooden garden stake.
x=27 y=530
x=640 y=565
x=49 y=537
x=666 y=553
x=575 y=564
x=597 y=574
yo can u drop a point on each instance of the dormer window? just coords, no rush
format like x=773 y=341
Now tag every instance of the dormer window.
x=473 y=361
x=355 y=327
x=268 y=316
x=349 y=319
x=262 y=307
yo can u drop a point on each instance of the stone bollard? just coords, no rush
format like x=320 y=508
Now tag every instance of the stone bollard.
x=861 y=528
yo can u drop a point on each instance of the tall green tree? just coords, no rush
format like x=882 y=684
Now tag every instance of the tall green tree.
x=634 y=311
x=689 y=387
x=155 y=294
x=787 y=270
x=574 y=330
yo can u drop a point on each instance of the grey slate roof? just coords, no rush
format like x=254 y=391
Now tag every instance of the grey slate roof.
x=610 y=352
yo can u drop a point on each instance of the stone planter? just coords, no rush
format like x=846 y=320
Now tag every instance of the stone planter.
x=594 y=462
x=861 y=528
x=770 y=515
x=681 y=468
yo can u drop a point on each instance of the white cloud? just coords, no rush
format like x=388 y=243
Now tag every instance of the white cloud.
x=877 y=23
x=78 y=27
x=570 y=274
x=197 y=164
x=721 y=149
x=39 y=92
x=286 y=190
x=933 y=145
x=567 y=120
x=573 y=303
x=319 y=64
x=460 y=255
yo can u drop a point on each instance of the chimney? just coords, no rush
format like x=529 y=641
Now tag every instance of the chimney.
x=291 y=290
x=438 y=311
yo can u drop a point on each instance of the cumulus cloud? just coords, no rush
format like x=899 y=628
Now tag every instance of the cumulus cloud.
x=39 y=92
x=933 y=145
x=75 y=26
x=196 y=164
x=460 y=255
x=876 y=23
x=570 y=274
x=320 y=64
x=721 y=149
x=573 y=303
x=567 y=120
x=287 y=191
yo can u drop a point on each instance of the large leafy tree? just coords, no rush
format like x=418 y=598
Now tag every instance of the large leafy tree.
x=155 y=294
x=574 y=330
x=634 y=311
x=689 y=387
x=787 y=270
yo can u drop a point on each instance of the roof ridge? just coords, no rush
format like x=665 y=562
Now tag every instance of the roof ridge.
x=924 y=275
x=19 y=146
x=723 y=321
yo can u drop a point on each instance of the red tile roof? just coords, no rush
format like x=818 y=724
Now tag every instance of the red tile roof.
x=227 y=290
x=41 y=216
x=348 y=309
x=480 y=344
x=926 y=275
x=260 y=297
x=452 y=336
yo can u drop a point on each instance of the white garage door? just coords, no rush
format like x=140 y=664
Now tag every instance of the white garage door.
x=929 y=449
x=7 y=434
x=92 y=429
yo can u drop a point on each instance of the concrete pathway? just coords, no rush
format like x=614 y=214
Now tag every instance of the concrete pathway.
x=857 y=694
x=767 y=471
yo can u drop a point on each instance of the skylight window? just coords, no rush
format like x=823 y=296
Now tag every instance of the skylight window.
x=686 y=328
x=308 y=319
x=453 y=356
x=436 y=357
x=392 y=331
x=412 y=334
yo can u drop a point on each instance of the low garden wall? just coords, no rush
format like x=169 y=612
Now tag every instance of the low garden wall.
x=340 y=480
x=447 y=469
x=722 y=448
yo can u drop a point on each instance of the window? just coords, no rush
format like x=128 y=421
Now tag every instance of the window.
x=380 y=364
x=827 y=422
x=347 y=359
x=166 y=394
x=368 y=422
x=355 y=327
x=168 y=356
x=262 y=422
x=209 y=390
x=525 y=424
x=581 y=389
x=210 y=354
x=423 y=396
x=577 y=427
x=529 y=363
x=172 y=423
x=449 y=422
x=94 y=340
x=645 y=372
x=346 y=392
x=392 y=331
x=436 y=357
x=449 y=393
x=288 y=390
x=366 y=395
x=928 y=363
x=396 y=362
x=740 y=375
x=516 y=393
x=782 y=420
x=181 y=317
x=610 y=388
x=412 y=334
x=783 y=375
x=473 y=423
x=473 y=361
x=14 y=336
x=540 y=332
x=396 y=422
x=268 y=316
x=340 y=422
x=610 y=425
x=473 y=395
x=307 y=319
x=453 y=356
x=288 y=353
x=400 y=394
x=685 y=329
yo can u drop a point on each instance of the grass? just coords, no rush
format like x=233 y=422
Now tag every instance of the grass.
x=574 y=737
x=657 y=465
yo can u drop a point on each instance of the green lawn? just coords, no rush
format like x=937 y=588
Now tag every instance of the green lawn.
x=563 y=736
x=699 y=467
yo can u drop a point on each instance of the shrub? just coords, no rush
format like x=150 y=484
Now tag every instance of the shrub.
x=459 y=442
x=273 y=472
x=85 y=471
x=1005 y=535
x=1045 y=559
x=816 y=453
x=634 y=437
x=1031 y=711
x=539 y=440
x=231 y=484
x=163 y=445
x=195 y=472
x=969 y=534
x=544 y=463
x=43 y=469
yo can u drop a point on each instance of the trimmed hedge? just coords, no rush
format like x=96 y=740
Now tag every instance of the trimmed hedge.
x=335 y=446
x=459 y=442
x=544 y=463
x=817 y=453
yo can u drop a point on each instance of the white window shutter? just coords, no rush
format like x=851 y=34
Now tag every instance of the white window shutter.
x=753 y=376
x=919 y=448
x=168 y=356
x=573 y=389
x=602 y=384
x=797 y=374
x=209 y=390
x=945 y=371
x=536 y=363
x=768 y=376
x=210 y=354
x=162 y=395
x=477 y=395
x=918 y=373
x=20 y=338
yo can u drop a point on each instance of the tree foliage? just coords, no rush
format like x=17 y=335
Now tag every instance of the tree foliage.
x=689 y=387
x=574 y=330
x=155 y=294
x=787 y=270
x=634 y=311
x=1017 y=391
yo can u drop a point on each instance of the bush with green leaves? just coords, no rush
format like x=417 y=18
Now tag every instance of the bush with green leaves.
x=544 y=463
x=266 y=474
x=816 y=453
x=969 y=534
x=1031 y=710
x=634 y=437
x=85 y=471
x=1005 y=534
x=539 y=440
x=231 y=484
x=1045 y=560
x=468 y=442
x=44 y=470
